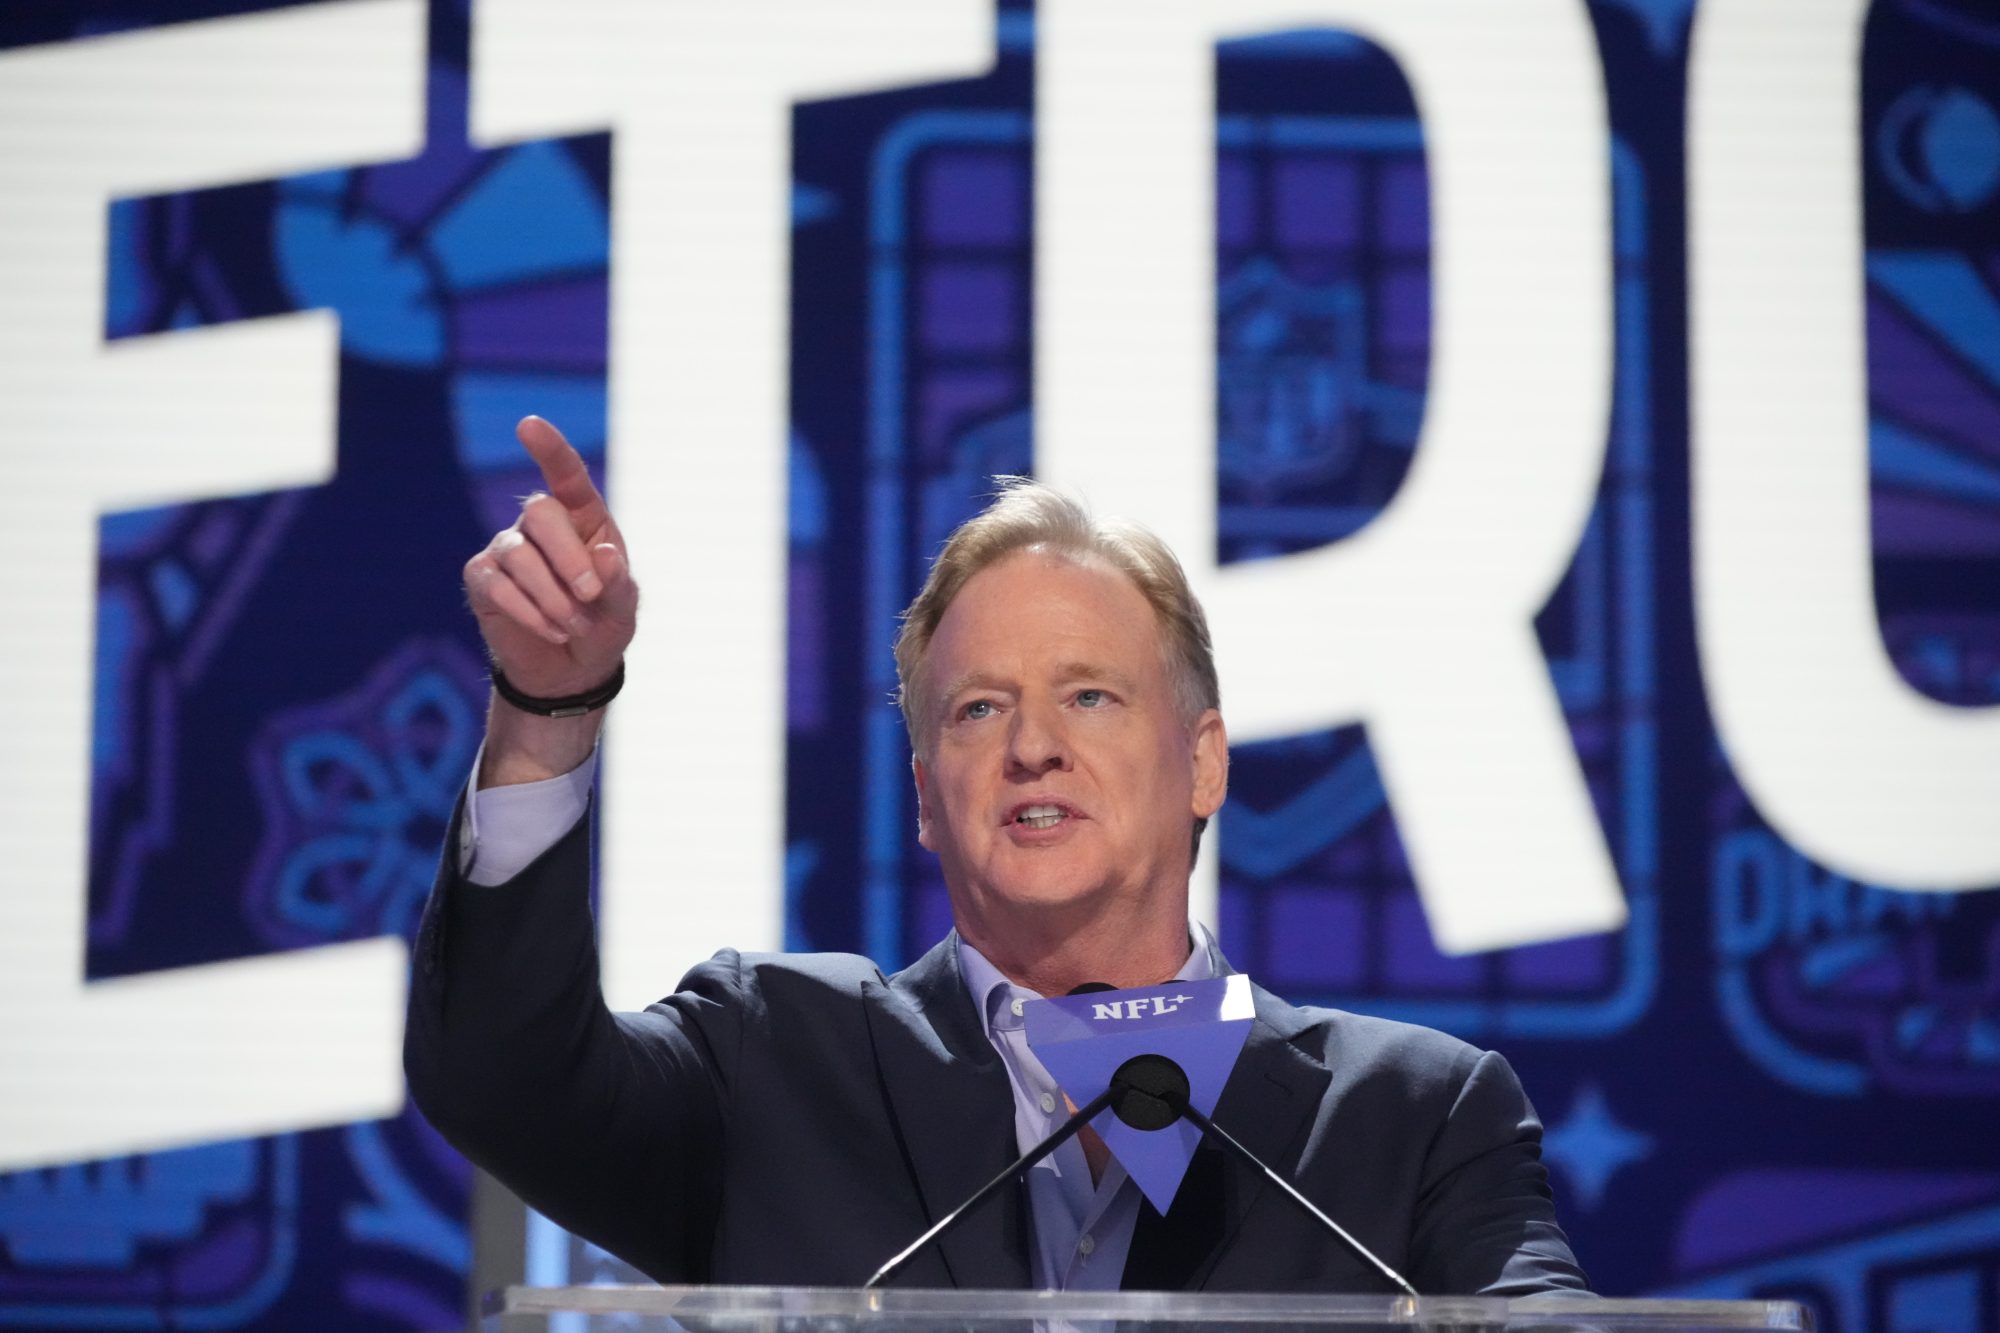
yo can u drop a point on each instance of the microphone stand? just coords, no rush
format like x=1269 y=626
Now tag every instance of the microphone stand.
x=1035 y=1154
x=1227 y=1140
x=1148 y=1092
x=1151 y=1092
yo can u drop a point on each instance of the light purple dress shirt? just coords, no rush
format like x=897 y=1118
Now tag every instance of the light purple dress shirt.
x=506 y=828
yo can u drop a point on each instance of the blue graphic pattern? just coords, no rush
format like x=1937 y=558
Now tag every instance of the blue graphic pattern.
x=444 y=299
x=1589 y=1146
x=1918 y=1276
x=1773 y=1082
x=1598 y=633
x=356 y=796
x=77 y=1216
x=1940 y=148
x=333 y=254
x=1835 y=988
x=212 y=1231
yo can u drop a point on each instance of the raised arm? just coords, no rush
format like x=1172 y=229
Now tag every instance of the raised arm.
x=605 y=1123
x=557 y=604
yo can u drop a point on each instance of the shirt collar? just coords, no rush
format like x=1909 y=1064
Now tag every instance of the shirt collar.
x=993 y=995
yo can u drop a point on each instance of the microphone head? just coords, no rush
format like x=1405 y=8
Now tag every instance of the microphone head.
x=1091 y=987
x=1087 y=1043
x=1148 y=1092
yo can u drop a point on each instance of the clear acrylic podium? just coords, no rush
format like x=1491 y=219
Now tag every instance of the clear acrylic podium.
x=632 y=1309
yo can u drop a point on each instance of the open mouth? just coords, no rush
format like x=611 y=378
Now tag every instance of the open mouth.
x=1041 y=816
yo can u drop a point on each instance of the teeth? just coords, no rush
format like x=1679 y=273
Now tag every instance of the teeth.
x=1040 y=816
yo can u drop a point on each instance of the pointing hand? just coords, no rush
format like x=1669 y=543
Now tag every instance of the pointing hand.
x=553 y=593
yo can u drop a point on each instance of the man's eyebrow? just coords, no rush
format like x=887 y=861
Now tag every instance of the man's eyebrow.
x=1065 y=673
x=971 y=680
x=1072 y=671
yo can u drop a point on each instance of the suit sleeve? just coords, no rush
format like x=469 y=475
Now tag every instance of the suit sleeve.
x=609 y=1124
x=1485 y=1220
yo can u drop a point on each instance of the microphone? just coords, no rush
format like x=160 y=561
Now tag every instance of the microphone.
x=1147 y=1092
x=1065 y=1131
x=1164 y=1053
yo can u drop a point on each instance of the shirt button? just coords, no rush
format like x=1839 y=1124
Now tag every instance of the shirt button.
x=1048 y=1102
x=1085 y=1246
x=1016 y=1007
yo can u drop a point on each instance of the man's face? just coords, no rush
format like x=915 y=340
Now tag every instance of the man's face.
x=1060 y=775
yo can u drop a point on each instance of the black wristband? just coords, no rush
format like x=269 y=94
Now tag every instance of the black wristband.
x=573 y=705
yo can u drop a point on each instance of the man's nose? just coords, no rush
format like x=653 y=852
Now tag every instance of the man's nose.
x=1035 y=743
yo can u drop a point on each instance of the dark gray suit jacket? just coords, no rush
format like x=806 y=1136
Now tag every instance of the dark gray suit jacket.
x=797 y=1119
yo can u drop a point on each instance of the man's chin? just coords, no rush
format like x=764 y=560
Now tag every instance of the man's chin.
x=1040 y=894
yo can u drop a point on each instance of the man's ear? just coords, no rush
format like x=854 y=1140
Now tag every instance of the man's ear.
x=1211 y=764
x=923 y=803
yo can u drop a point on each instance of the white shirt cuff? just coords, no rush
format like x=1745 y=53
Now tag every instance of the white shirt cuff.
x=506 y=828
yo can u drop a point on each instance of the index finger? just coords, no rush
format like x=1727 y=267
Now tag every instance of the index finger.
x=563 y=471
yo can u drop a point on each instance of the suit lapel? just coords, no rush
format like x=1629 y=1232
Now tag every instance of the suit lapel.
x=1269 y=1104
x=952 y=1107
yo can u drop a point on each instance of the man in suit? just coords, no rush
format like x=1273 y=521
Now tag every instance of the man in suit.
x=790 y=1119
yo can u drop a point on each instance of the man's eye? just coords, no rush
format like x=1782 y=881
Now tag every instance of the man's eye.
x=1092 y=698
x=977 y=709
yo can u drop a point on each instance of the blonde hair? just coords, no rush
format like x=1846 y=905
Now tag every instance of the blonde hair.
x=1025 y=513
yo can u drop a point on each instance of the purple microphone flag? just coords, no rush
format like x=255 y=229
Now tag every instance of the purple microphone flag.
x=1199 y=1025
